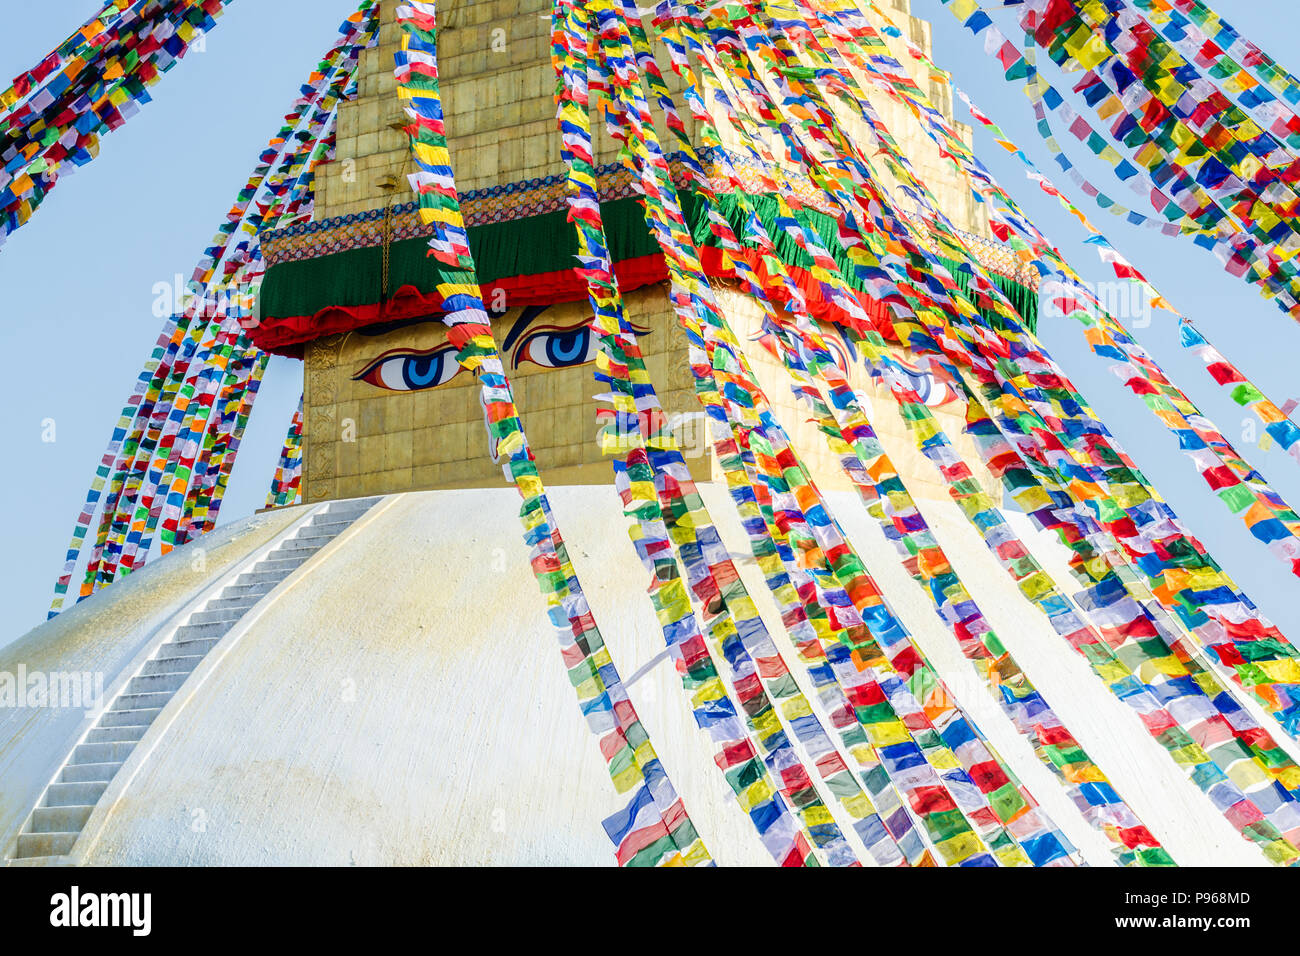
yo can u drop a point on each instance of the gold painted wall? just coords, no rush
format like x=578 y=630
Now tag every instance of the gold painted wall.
x=950 y=188
x=745 y=317
x=369 y=439
x=498 y=82
x=498 y=86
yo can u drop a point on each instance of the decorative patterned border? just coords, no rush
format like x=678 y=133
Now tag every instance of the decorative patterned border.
x=990 y=253
x=504 y=203
x=536 y=197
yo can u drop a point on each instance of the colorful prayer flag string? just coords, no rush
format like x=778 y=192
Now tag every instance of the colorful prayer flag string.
x=54 y=114
x=654 y=829
x=286 y=485
x=277 y=189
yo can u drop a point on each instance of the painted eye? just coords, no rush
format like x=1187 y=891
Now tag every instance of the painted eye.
x=929 y=388
x=402 y=371
x=834 y=348
x=838 y=352
x=558 y=348
x=768 y=340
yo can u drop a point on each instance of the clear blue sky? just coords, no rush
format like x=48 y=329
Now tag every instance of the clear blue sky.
x=1252 y=332
x=76 y=317
x=76 y=321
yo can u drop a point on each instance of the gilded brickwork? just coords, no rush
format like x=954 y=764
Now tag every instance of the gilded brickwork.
x=498 y=87
x=950 y=187
x=362 y=438
x=745 y=317
x=366 y=435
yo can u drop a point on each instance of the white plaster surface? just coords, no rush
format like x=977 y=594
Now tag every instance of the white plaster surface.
x=402 y=701
x=102 y=636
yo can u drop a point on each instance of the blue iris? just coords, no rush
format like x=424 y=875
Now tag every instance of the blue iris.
x=921 y=383
x=423 y=371
x=568 y=348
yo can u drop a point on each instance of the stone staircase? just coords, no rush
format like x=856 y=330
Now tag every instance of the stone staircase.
x=66 y=805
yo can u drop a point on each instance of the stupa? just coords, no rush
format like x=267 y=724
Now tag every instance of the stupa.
x=852 y=576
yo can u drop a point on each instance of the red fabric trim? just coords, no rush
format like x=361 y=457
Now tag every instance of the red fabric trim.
x=716 y=266
x=280 y=336
x=286 y=336
x=550 y=288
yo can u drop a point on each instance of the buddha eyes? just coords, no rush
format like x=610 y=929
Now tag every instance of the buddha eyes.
x=403 y=370
x=929 y=388
x=411 y=371
x=931 y=385
x=839 y=354
x=549 y=347
x=768 y=340
x=558 y=347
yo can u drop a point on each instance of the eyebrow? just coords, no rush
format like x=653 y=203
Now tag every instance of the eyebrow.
x=530 y=312
x=383 y=328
